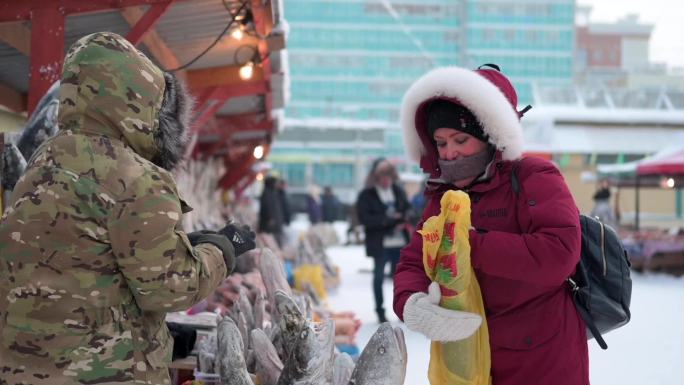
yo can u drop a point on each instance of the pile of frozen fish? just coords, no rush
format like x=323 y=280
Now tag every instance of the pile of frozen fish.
x=197 y=181
x=285 y=345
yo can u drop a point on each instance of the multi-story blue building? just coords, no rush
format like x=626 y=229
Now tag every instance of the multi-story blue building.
x=352 y=60
x=532 y=40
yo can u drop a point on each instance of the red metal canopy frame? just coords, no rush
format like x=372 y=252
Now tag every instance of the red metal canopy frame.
x=47 y=53
x=47 y=32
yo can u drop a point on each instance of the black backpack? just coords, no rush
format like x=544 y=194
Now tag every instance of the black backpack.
x=601 y=286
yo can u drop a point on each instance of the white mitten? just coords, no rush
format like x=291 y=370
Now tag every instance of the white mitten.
x=423 y=314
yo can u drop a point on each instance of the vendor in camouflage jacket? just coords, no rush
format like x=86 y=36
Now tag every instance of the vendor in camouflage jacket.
x=91 y=253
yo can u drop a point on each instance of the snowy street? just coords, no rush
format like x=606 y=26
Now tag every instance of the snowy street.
x=643 y=352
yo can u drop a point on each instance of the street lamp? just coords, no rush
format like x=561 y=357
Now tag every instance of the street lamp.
x=259 y=152
x=246 y=71
x=237 y=34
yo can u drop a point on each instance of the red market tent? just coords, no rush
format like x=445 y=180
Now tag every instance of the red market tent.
x=670 y=165
x=651 y=172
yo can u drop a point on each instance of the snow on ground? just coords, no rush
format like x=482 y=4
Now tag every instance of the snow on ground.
x=356 y=293
x=645 y=351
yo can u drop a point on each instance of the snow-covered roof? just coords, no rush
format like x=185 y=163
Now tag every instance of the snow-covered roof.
x=628 y=116
x=351 y=124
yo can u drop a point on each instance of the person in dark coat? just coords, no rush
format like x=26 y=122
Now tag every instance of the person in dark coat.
x=354 y=225
x=382 y=208
x=284 y=201
x=313 y=204
x=330 y=205
x=602 y=208
x=463 y=128
x=271 y=210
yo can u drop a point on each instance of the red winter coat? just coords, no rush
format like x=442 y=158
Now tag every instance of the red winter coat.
x=525 y=247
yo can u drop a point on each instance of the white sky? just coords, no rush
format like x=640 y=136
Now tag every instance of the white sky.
x=667 y=40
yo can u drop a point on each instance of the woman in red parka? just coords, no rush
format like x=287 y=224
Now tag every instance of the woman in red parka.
x=463 y=128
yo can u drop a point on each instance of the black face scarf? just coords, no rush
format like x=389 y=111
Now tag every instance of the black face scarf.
x=466 y=167
x=174 y=120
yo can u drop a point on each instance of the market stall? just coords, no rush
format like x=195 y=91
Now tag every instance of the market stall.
x=651 y=248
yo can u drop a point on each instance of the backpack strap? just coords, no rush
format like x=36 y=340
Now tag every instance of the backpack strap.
x=589 y=322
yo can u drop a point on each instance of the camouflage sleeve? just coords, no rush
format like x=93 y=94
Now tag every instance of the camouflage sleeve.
x=162 y=269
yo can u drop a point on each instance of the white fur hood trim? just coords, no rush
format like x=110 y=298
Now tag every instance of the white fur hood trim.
x=489 y=105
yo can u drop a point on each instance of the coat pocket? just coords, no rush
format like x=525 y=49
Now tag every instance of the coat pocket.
x=523 y=331
x=153 y=342
x=160 y=357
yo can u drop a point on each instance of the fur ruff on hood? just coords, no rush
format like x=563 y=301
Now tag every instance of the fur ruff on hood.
x=485 y=92
x=171 y=137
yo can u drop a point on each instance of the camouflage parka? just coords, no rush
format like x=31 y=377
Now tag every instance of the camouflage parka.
x=91 y=254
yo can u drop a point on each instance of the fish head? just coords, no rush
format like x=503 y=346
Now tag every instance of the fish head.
x=13 y=166
x=311 y=360
x=383 y=360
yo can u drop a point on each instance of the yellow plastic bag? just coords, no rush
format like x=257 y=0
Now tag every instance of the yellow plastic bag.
x=446 y=259
x=313 y=275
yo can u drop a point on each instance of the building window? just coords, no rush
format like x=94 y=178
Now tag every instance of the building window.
x=333 y=174
x=613 y=57
x=293 y=173
x=598 y=55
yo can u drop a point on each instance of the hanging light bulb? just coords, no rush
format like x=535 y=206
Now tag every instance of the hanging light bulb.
x=259 y=152
x=670 y=183
x=246 y=71
x=237 y=34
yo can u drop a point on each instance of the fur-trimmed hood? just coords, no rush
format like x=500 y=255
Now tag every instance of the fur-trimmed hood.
x=110 y=88
x=487 y=93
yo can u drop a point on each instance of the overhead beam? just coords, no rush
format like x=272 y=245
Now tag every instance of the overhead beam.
x=263 y=24
x=246 y=118
x=220 y=131
x=12 y=99
x=262 y=11
x=47 y=45
x=147 y=22
x=208 y=102
x=227 y=125
x=248 y=179
x=17 y=10
x=212 y=99
x=16 y=35
x=236 y=170
x=154 y=43
x=208 y=152
x=220 y=76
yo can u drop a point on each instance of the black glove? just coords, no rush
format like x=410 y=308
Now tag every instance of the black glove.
x=194 y=236
x=242 y=237
x=218 y=240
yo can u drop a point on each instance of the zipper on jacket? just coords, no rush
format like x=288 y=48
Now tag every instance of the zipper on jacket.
x=603 y=249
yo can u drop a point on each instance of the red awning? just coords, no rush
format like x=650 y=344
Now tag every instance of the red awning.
x=670 y=164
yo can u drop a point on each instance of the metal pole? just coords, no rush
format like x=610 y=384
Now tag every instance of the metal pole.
x=2 y=166
x=636 y=218
x=616 y=209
